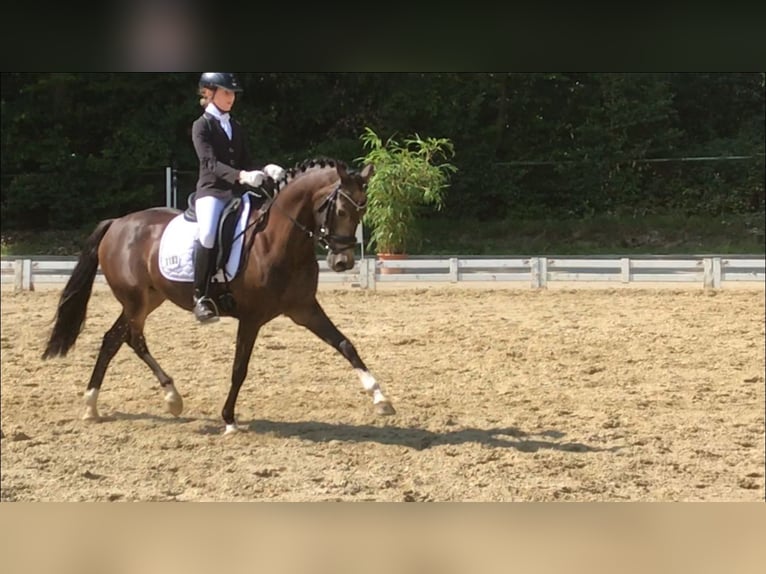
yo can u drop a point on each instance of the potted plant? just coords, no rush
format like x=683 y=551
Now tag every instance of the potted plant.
x=408 y=176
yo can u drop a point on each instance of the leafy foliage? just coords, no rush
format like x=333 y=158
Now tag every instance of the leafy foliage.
x=78 y=147
x=408 y=176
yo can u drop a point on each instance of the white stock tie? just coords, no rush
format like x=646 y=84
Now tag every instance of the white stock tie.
x=226 y=124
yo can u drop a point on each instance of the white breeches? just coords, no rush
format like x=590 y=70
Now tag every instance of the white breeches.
x=208 y=211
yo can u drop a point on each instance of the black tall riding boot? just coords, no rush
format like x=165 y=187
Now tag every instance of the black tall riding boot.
x=204 y=308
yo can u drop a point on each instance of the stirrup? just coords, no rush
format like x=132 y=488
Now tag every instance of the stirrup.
x=205 y=310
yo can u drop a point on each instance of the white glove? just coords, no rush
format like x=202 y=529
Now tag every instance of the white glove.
x=252 y=178
x=274 y=171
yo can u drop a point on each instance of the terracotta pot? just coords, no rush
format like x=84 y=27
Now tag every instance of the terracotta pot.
x=391 y=257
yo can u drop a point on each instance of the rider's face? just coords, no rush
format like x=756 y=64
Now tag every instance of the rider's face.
x=224 y=99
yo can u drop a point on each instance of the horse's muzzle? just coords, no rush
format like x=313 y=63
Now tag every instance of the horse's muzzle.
x=340 y=262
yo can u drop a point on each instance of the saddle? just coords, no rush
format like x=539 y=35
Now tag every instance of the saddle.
x=224 y=237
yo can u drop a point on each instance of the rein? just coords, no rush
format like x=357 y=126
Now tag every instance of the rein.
x=258 y=219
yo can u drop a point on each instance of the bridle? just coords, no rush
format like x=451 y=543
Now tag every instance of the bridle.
x=332 y=242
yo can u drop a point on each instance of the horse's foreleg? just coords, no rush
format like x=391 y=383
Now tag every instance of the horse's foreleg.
x=113 y=340
x=246 y=334
x=316 y=320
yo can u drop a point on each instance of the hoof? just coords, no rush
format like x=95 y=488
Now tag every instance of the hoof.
x=174 y=403
x=91 y=416
x=232 y=430
x=385 y=408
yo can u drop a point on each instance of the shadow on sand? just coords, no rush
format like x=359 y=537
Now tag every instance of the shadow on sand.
x=410 y=437
x=420 y=439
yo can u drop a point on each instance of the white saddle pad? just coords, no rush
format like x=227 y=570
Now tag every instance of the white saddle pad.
x=177 y=246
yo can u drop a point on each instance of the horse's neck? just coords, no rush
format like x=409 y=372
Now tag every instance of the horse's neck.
x=293 y=210
x=300 y=196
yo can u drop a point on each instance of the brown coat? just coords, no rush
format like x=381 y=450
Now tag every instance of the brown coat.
x=220 y=159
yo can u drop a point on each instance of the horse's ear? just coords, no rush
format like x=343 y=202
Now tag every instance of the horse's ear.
x=342 y=171
x=367 y=171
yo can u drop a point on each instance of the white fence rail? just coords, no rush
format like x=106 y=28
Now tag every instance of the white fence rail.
x=537 y=272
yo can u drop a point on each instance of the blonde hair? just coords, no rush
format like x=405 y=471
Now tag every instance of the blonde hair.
x=205 y=96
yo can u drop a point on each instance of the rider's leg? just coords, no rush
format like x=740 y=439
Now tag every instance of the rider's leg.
x=208 y=213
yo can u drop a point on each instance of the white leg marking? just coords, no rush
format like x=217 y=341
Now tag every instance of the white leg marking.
x=231 y=429
x=371 y=386
x=173 y=400
x=91 y=411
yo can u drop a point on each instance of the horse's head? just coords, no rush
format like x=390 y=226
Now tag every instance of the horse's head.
x=339 y=212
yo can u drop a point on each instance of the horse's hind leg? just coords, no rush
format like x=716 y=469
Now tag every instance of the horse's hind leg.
x=173 y=400
x=113 y=340
x=315 y=320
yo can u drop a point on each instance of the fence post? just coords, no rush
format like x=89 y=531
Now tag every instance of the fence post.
x=18 y=275
x=712 y=272
x=28 y=284
x=360 y=239
x=371 y=272
x=625 y=269
x=453 y=270
x=22 y=275
x=533 y=272
x=174 y=179
x=539 y=269
x=363 y=281
x=707 y=273
x=168 y=186
x=716 y=273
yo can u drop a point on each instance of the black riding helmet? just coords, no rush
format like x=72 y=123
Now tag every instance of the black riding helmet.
x=224 y=80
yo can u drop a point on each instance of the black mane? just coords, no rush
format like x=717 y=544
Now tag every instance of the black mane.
x=301 y=168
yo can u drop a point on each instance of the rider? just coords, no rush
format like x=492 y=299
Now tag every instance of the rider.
x=224 y=167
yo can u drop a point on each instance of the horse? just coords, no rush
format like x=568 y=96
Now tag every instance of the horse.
x=316 y=202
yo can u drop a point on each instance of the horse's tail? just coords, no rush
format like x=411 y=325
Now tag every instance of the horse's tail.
x=70 y=314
